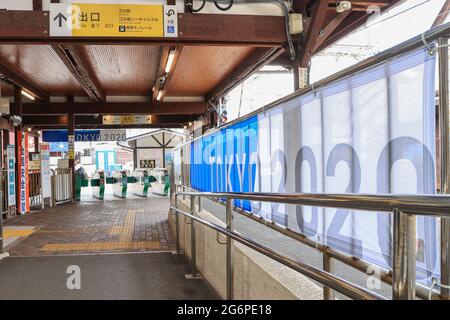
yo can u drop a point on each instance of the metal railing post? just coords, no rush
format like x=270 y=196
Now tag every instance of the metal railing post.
x=177 y=225
x=199 y=204
x=1 y=232
x=193 y=248
x=445 y=163
x=404 y=257
x=229 y=248
x=445 y=258
x=328 y=266
x=194 y=273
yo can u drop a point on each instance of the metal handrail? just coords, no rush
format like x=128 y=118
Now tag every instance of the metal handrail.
x=404 y=208
x=345 y=287
x=426 y=205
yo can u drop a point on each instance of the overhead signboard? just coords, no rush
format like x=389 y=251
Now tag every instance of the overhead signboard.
x=127 y=120
x=112 y=20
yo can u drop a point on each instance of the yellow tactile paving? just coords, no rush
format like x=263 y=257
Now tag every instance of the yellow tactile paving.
x=125 y=241
x=13 y=233
x=101 y=246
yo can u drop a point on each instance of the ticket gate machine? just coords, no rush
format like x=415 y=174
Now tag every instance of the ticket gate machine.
x=120 y=183
x=161 y=184
x=98 y=184
x=141 y=184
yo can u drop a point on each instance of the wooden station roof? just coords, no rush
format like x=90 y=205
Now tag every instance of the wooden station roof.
x=119 y=76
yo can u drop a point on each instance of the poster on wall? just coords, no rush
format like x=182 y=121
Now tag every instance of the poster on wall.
x=45 y=170
x=71 y=144
x=147 y=164
x=22 y=168
x=11 y=161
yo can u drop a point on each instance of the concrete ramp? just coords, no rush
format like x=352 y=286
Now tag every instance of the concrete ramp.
x=108 y=276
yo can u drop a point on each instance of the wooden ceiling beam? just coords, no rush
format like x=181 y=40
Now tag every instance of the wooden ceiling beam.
x=9 y=75
x=79 y=67
x=194 y=29
x=83 y=121
x=443 y=13
x=330 y=28
x=124 y=108
x=354 y=21
x=378 y=3
x=317 y=21
x=167 y=76
x=164 y=55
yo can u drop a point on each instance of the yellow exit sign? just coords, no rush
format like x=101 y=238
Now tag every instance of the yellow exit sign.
x=112 y=20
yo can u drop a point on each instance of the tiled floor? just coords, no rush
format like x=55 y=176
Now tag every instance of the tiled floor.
x=128 y=225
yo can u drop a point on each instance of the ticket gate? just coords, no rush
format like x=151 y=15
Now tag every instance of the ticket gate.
x=98 y=184
x=120 y=183
x=141 y=182
x=80 y=182
x=161 y=183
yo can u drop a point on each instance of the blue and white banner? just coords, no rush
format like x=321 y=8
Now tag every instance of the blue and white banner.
x=85 y=135
x=372 y=132
x=11 y=161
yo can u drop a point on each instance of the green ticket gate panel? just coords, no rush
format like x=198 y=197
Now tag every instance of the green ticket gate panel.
x=79 y=183
x=140 y=182
x=98 y=185
x=120 y=184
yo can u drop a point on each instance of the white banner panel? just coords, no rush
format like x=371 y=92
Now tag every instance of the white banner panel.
x=372 y=132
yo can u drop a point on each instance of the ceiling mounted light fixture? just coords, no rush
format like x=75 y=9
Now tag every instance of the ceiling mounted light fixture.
x=159 y=96
x=28 y=95
x=170 y=61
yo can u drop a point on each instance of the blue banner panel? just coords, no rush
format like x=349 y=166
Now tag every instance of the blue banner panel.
x=58 y=146
x=61 y=135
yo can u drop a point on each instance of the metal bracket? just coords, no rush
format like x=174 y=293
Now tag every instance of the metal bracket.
x=218 y=239
x=187 y=220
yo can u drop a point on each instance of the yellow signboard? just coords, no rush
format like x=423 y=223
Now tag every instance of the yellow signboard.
x=127 y=119
x=112 y=20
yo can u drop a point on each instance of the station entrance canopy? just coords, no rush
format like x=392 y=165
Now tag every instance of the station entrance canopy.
x=88 y=60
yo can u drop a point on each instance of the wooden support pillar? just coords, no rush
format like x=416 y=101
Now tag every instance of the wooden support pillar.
x=37 y=5
x=71 y=143
x=301 y=76
x=36 y=144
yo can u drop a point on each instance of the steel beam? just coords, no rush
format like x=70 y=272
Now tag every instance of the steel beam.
x=317 y=20
x=83 y=121
x=89 y=108
x=11 y=76
x=204 y=29
x=79 y=67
